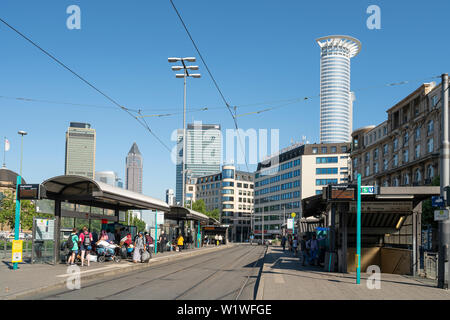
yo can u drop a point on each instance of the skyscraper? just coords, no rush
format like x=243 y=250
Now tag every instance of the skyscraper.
x=203 y=153
x=133 y=174
x=336 y=101
x=80 y=150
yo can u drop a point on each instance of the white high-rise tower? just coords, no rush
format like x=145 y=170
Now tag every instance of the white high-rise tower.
x=335 y=97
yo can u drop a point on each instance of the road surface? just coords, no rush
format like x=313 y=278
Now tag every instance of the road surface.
x=231 y=273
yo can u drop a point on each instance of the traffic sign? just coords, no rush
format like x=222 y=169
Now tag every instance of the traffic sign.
x=367 y=190
x=293 y=214
x=437 y=201
x=440 y=215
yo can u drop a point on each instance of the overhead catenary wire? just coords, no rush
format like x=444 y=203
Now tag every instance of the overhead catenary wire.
x=212 y=78
x=85 y=81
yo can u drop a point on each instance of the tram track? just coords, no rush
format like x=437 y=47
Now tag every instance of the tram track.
x=223 y=269
x=137 y=273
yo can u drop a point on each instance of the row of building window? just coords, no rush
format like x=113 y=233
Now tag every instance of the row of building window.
x=274 y=179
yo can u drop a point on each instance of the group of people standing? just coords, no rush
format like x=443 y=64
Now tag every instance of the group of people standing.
x=309 y=249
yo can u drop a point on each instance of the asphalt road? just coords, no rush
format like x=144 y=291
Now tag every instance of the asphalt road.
x=231 y=274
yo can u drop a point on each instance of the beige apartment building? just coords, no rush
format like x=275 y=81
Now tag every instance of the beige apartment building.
x=404 y=149
x=231 y=192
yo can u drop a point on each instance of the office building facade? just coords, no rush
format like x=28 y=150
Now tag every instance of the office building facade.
x=134 y=169
x=80 y=150
x=109 y=177
x=203 y=153
x=404 y=150
x=336 y=100
x=232 y=193
x=298 y=172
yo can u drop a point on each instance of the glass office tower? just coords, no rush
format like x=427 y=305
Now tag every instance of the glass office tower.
x=336 y=100
x=203 y=156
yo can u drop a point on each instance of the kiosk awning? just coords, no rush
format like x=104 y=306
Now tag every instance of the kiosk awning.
x=83 y=190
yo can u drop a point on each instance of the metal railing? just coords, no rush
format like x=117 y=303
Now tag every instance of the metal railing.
x=431 y=265
x=6 y=250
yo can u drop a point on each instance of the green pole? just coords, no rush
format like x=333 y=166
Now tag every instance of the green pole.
x=17 y=216
x=358 y=232
x=156 y=231
x=199 y=238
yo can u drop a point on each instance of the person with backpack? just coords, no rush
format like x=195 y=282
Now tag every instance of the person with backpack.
x=72 y=245
x=86 y=240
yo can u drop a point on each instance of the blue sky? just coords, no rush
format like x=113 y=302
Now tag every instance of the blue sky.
x=258 y=51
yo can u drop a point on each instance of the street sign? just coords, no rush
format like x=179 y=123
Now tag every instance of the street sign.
x=342 y=192
x=293 y=214
x=17 y=251
x=290 y=223
x=29 y=191
x=437 y=201
x=440 y=215
x=367 y=190
x=383 y=206
x=44 y=229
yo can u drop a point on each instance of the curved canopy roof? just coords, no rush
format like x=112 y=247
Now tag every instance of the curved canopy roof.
x=352 y=44
x=181 y=213
x=7 y=175
x=83 y=190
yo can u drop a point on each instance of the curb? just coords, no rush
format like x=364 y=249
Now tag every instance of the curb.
x=260 y=290
x=153 y=262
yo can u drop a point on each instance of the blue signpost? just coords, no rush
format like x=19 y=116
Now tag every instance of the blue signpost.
x=358 y=232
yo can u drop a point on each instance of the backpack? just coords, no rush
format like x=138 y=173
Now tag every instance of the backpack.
x=87 y=239
x=70 y=243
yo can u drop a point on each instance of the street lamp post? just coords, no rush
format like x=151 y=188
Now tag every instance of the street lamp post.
x=18 y=182
x=184 y=76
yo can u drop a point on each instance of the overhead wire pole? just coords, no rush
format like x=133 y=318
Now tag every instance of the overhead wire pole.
x=184 y=76
x=85 y=81
x=212 y=78
x=444 y=226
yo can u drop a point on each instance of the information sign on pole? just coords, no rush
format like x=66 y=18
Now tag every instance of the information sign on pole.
x=441 y=215
x=290 y=223
x=17 y=251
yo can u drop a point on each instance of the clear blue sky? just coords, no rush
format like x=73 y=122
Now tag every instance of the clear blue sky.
x=258 y=51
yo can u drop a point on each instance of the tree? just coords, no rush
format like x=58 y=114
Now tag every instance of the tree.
x=135 y=221
x=214 y=214
x=27 y=212
x=199 y=206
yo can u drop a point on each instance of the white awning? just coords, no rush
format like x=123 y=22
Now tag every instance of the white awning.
x=83 y=190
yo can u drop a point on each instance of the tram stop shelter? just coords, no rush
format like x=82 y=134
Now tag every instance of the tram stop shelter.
x=84 y=198
x=186 y=218
x=214 y=227
x=390 y=226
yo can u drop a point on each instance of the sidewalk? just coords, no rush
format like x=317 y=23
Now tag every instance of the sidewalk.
x=35 y=278
x=283 y=278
